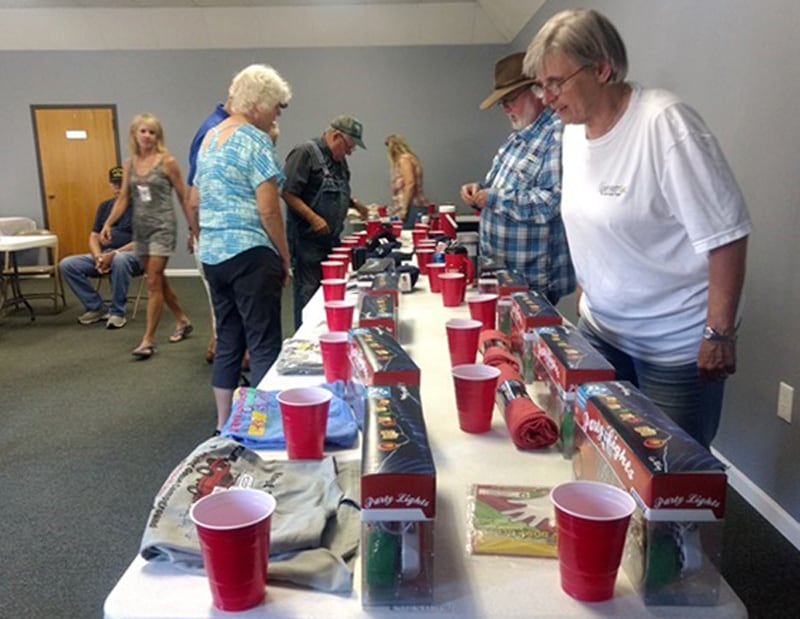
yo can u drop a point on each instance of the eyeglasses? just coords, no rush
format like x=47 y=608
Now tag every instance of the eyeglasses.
x=510 y=99
x=554 y=87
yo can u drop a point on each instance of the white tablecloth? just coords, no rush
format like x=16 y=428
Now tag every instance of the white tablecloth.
x=466 y=586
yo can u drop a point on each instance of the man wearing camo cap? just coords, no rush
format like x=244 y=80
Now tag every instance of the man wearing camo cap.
x=317 y=192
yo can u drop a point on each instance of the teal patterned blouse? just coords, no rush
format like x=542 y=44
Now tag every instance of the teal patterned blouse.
x=227 y=178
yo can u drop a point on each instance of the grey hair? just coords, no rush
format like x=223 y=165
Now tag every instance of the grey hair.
x=257 y=87
x=584 y=35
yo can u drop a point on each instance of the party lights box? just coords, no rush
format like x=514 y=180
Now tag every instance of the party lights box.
x=398 y=499
x=530 y=309
x=378 y=359
x=386 y=283
x=374 y=266
x=510 y=281
x=398 y=477
x=564 y=359
x=378 y=310
x=675 y=537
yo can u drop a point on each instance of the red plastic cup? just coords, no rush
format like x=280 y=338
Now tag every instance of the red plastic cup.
x=334 y=269
x=340 y=256
x=434 y=270
x=374 y=227
x=361 y=236
x=424 y=256
x=382 y=210
x=462 y=340
x=339 y=315
x=592 y=519
x=304 y=412
x=334 y=356
x=418 y=234
x=483 y=307
x=454 y=286
x=333 y=289
x=397 y=228
x=234 y=530
x=475 y=386
x=349 y=242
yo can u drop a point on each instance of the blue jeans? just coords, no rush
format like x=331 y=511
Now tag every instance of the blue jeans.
x=78 y=270
x=246 y=292
x=694 y=405
x=414 y=211
x=306 y=278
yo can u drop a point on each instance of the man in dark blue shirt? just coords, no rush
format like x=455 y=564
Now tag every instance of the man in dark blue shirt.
x=115 y=258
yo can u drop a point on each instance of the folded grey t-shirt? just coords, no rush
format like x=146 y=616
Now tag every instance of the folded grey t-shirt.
x=314 y=530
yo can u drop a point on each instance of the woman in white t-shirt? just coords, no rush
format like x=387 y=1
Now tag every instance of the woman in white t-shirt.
x=656 y=223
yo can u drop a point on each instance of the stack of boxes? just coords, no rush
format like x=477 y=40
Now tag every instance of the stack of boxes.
x=564 y=359
x=529 y=309
x=674 y=539
x=398 y=476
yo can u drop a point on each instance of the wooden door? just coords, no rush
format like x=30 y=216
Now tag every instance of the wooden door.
x=75 y=148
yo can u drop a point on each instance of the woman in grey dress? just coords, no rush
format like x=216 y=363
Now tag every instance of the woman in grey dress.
x=150 y=176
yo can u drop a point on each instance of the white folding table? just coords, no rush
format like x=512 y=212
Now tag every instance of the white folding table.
x=466 y=586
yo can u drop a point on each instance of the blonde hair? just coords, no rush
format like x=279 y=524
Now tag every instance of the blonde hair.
x=396 y=146
x=151 y=120
x=257 y=87
x=585 y=36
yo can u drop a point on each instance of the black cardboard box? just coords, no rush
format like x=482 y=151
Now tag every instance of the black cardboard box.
x=398 y=500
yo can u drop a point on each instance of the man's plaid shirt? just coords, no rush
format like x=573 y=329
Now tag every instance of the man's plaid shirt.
x=521 y=222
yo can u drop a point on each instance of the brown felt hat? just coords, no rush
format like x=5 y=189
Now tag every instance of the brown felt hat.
x=508 y=76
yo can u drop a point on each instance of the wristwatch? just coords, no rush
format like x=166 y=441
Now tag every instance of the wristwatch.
x=712 y=335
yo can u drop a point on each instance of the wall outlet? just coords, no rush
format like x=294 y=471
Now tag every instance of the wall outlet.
x=785 y=397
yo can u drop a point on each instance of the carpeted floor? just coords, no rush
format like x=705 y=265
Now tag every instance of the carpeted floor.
x=87 y=435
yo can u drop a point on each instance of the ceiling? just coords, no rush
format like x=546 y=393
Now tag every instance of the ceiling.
x=230 y=24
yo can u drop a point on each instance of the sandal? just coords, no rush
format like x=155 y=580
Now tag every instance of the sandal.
x=181 y=332
x=144 y=351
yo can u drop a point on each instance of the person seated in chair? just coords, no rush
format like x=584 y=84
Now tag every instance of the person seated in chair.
x=115 y=258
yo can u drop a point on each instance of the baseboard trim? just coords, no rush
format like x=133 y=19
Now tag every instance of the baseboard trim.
x=182 y=273
x=762 y=502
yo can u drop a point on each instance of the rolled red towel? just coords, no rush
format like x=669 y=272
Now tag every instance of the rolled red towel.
x=496 y=356
x=528 y=425
x=491 y=338
x=508 y=372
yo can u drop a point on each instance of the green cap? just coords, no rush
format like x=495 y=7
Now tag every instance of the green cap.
x=115 y=174
x=351 y=126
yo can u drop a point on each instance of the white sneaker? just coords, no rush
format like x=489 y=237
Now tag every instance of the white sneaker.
x=116 y=322
x=91 y=317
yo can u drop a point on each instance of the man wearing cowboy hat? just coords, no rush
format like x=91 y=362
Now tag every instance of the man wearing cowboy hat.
x=519 y=201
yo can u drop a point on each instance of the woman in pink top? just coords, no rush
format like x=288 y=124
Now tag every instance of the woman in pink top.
x=408 y=199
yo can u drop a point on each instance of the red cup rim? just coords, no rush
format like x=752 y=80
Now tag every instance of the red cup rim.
x=475 y=371
x=331 y=262
x=441 y=265
x=463 y=323
x=334 y=337
x=304 y=396
x=344 y=303
x=624 y=501
x=208 y=501
x=450 y=275
x=483 y=297
x=333 y=281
